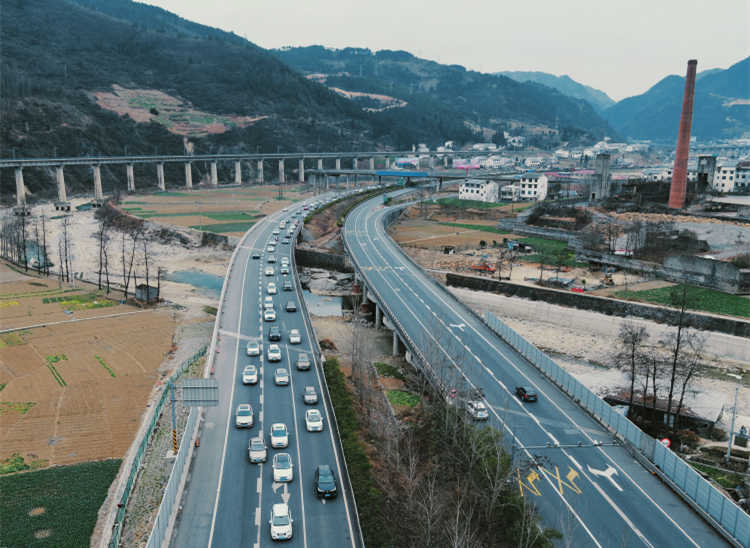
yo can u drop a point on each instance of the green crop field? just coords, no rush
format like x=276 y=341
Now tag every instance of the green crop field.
x=55 y=507
x=705 y=300
x=231 y=216
x=399 y=397
x=474 y=204
x=240 y=226
x=480 y=228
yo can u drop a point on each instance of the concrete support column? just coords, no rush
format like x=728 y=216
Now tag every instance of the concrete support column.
x=238 y=172
x=260 y=171
x=338 y=163
x=131 y=177
x=160 y=176
x=445 y=161
x=347 y=182
x=372 y=168
x=327 y=182
x=281 y=171
x=387 y=162
x=380 y=180
x=320 y=164
x=301 y=170
x=62 y=195
x=378 y=314
x=188 y=175
x=97 y=184
x=356 y=180
x=214 y=174
x=395 y=343
x=20 y=188
x=364 y=294
x=440 y=184
x=355 y=163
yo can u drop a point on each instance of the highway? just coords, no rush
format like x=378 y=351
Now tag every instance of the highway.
x=597 y=495
x=228 y=500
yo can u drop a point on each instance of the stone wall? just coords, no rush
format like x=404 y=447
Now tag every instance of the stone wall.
x=611 y=307
x=538 y=231
x=319 y=259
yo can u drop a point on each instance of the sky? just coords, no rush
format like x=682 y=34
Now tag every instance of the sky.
x=622 y=47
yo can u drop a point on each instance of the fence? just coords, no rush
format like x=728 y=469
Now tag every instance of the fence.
x=714 y=506
x=117 y=531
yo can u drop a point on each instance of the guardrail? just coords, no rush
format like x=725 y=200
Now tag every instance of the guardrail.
x=136 y=465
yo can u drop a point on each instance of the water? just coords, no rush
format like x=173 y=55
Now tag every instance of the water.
x=208 y=284
x=325 y=305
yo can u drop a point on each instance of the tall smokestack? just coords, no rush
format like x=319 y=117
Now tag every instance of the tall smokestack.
x=679 y=173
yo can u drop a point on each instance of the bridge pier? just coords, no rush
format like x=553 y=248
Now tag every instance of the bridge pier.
x=387 y=162
x=214 y=174
x=356 y=180
x=98 y=197
x=238 y=172
x=301 y=170
x=347 y=182
x=62 y=202
x=320 y=164
x=20 y=192
x=188 y=175
x=440 y=184
x=338 y=164
x=131 y=178
x=364 y=294
x=378 y=315
x=281 y=171
x=260 y=171
x=445 y=161
x=396 y=344
x=372 y=168
x=328 y=179
x=160 y=176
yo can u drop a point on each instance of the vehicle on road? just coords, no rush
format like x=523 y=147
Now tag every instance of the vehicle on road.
x=271 y=288
x=256 y=255
x=274 y=333
x=279 y=436
x=244 y=416
x=477 y=410
x=281 y=522
x=269 y=315
x=285 y=241
x=285 y=269
x=288 y=286
x=281 y=376
x=250 y=375
x=267 y=303
x=274 y=353
x=270 y=248
x=294 y=336
x=303 y=362
x=484 y=268
x=313 y=420
x=309 y=395
x=526 y=393
x=253 y=348
x=270 y=271
x=275 y=231
x=271 y=258
x=285 y=261
x=256 y=450
x=282 y=467
x=291 y=307
x=325 y=481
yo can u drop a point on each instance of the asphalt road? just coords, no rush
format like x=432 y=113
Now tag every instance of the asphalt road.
x=595 y=494
x=228 y=500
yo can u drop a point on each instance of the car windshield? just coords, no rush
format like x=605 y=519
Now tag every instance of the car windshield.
x=529 y=391
x=249 y=370
x=257 y=446
x=279 y=433
x=282 y=462
x=245 y=413
x=314 y=416
x=281 y=519
x=253 y=345
x=325 y=476
x=309 y=390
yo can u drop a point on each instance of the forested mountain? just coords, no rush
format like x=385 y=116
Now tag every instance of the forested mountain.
x=721 y=108
x=598 y=99
x=482 y=99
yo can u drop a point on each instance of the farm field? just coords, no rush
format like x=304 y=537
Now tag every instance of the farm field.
x=706 y=300
x=431 y=234
x=74 y=391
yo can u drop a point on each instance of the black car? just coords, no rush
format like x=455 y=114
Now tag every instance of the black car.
x=288 y=286
x=325 y=481
x=526 y=393
x=291 y=307
x=256 y=255
x=274 y=334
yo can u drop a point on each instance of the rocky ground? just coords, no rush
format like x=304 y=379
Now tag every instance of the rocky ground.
x=325 y=282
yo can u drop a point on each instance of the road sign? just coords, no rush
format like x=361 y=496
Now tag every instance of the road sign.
x=666 y=442
x=200 y=392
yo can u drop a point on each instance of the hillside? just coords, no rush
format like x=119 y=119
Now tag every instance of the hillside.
x=494 y=102
x=721 y=109
x=565 y=84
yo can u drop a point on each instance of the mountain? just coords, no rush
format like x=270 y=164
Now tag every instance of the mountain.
x=598 y=99
x=721 y=107
x=492 y=102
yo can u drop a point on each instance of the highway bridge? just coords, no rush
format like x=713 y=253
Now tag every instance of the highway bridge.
x=597 y=492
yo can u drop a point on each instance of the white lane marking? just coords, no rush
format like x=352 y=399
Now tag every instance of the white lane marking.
x=260 y=485
x=299 y=456
x=459 y=326
x=574 y=461
x=257 y=517
x=608 y=473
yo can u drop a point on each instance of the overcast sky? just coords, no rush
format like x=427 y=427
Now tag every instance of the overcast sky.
x=622 y=47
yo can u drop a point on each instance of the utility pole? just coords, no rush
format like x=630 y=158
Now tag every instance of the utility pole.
x=731 y=430
x=174 y=419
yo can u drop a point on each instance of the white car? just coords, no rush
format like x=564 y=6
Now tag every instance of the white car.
x=269 y=315
x=478 y=410
x=253 y=347
x=271 y=288
x=279 y=436
x=295 y=337
x=270 y=271
x=285 y=269
x=274 y=353
x=244 y=416
x=275 y=231
x=281 y=522
x=314 y=420
x=271 y=259
x=270 y=248
x=256 y=450
x=268 y=303
x=281 y=377
x=282 y=467
x=250 y=375
x=285 y=261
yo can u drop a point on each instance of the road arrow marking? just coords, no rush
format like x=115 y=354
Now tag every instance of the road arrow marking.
x=323 y=501
x=397 y=267
x=285 y=495
x=460 y=326
x=608 y=473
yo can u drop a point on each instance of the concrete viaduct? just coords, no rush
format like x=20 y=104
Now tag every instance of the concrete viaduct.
x=59 y=165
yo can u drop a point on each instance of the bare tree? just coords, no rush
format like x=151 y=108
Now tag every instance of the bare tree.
x=24 y=225
x=45 y=250
x=145 y=259
x=631 y=354
x=67 y=245
x=611 y=230
x=127 y=264
x=102 y=236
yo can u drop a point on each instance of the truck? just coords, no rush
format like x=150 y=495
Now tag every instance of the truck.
x=484 y=268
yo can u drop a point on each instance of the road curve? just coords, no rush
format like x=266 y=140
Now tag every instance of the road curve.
x=596 y=495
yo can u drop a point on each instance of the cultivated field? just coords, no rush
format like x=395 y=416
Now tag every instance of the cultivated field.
x=72 y=390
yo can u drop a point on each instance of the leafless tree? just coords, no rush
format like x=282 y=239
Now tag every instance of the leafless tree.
x=45 y=249
x=611 y=230
x=631 y=354
x=102 y=237
x=145 y=260
x=24 y=222
x=127 y=264
x=507 y=258
x=66 y=246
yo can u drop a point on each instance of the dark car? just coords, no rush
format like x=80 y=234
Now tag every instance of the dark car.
x=526 y=393
x=309 y=395
x=256 y=255
x=274 y=333
x=291 y=307
x=288 y=286
x=325 y=481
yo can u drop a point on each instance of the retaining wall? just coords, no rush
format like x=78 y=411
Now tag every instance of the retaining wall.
x=319 y=259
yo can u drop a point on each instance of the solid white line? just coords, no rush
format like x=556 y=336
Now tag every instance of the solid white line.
x=299 y=455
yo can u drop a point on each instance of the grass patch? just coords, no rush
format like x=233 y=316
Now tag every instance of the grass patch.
x=11 y=339
x=101 y=361
x=20 y=407
x=705 y=300
x=550 y=248
x=210 y=310
x=728 y=480
x=57 y=375
x=385 y=370
x=369 y=499
x=83 y=302
x=56 y=358
x=479 y=228
x=242 y=226
x=15 y=463
x=3 y=385
x=400 y=397
x=67 y=491
x=474 y=204
x=232 y=216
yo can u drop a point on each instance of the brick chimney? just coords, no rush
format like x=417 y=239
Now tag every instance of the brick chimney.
x=679 y=174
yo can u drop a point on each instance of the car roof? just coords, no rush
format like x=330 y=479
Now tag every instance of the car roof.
x=249 y=366
x=310 y=388
x=528 y=388
x=313 y=412
x=273 y=347
x=324 y=468
x=281 y=370
x=295 y=331
x=280 y=508
x=244 y=406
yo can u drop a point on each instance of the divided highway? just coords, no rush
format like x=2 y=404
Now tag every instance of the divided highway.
x=228 y=500
x=596 y=494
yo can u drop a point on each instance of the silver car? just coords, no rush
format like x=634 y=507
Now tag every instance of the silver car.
x=244 y=416
x=253 y=348
x=256 y=450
